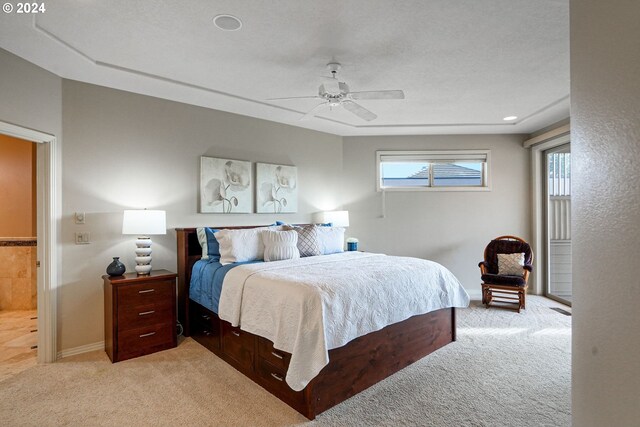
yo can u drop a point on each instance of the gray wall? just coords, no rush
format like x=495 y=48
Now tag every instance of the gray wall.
x=605 y=109
x=449 y=227
x=124 y=151
x=31 y=97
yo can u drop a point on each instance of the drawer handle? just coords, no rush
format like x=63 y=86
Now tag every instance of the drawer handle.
x=206 y=317
x=236 y=333
x=146 y=291
x=147 y=335
x=276 y=376
x=278 y=355
x=207 y=333
x=144 y=313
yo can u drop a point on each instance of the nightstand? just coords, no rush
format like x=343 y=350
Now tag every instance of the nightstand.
x=139 y=314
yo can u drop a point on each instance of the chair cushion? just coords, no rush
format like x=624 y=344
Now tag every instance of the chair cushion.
x=496 y=247
x=496 y=279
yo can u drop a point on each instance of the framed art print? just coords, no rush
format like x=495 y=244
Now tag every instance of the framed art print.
x=225 y=186
x=276 y=188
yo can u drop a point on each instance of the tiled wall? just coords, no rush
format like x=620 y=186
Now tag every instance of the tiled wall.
x=18 y=285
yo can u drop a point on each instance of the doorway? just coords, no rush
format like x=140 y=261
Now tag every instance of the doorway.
x=47 y=223
x=18 y=256
x=557 y=190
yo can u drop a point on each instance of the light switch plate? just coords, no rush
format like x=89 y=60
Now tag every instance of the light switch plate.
x=79 y=217
x=83 y=238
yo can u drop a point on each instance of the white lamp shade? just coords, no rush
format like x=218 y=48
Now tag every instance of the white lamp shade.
x=336 y=218
x=144 y=222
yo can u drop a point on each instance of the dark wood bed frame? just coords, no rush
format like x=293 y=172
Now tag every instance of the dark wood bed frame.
x=352 y=368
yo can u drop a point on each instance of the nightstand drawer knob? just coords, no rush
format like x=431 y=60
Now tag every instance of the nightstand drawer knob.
x=235 y=333
x=146 y=291
x=276 y=376
x=147 y=335
x=144 y=313
x=207 y=333
x=206 y=317
x=278 y=355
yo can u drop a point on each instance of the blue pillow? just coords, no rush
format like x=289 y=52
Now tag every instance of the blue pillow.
x=281 y=223
x=213 y=247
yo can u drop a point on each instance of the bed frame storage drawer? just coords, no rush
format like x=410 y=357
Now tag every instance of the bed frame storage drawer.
x=205 y=326
x=277 y=358
x=238 y=346
x=274 y=378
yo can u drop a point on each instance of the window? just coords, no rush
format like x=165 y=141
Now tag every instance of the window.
x=466 y=170
x=559 y=174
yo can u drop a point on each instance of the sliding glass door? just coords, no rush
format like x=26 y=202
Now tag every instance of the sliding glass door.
x=558 y=223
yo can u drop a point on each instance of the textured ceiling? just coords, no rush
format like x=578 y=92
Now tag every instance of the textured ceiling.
x=463 y=65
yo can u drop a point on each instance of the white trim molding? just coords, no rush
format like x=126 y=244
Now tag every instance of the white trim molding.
x=543 y=142
x=548 y=136
x=47 y=234
x=80 y=350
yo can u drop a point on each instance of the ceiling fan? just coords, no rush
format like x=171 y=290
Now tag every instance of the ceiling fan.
x=335 y=93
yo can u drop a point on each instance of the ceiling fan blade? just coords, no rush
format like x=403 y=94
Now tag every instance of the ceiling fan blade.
x=293 y=97
x=313 y=111
x=359 y=110
x=378 y=94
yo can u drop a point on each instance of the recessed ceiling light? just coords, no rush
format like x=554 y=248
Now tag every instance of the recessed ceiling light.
x=509 y=118
x=227 y=22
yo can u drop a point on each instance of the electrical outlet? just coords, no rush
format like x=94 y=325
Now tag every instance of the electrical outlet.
x=79 y=217
x=83 y=238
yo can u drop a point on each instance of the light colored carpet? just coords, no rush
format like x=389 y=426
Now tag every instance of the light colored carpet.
x=506 y=369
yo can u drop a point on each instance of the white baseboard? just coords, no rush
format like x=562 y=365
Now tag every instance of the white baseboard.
x=82 y=349
x=475 y=294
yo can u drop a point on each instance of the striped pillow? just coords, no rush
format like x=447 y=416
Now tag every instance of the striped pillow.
x=280 y=245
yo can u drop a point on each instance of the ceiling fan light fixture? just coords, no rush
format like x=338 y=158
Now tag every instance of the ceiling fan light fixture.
x=227 y=22
x=510 y=118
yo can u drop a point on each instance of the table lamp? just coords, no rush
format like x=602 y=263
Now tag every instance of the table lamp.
x=335 y=218
x=144 y=223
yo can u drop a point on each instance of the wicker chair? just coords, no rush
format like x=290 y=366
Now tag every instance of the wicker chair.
x=509 y=290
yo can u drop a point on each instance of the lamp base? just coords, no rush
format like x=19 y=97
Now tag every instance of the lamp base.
x=143 y=256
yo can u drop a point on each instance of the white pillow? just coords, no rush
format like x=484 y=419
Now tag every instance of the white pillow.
x=331 y=240
x=240 y=245
x=202 y=238
x=280 y=245
x=511 y=264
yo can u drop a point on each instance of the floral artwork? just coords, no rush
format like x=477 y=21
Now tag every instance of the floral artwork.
x=225 y=186
x=277 y=188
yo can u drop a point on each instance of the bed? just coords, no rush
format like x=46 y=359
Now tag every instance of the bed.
x=352 y=364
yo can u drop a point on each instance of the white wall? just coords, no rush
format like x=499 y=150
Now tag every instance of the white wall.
x=605 y=109
x=124 y=150
x=451 y=228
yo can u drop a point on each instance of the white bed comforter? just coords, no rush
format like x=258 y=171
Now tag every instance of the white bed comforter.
x=310 y=305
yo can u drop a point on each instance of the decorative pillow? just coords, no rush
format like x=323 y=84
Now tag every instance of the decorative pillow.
x=240 y=245
x=331 y=240
x=208 y=242
x=511 y=264
x=280 y=245
x=308 y=244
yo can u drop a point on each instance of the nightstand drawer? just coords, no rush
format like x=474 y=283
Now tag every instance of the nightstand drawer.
x=137 y=295
x=146 y=315
x=136 y=342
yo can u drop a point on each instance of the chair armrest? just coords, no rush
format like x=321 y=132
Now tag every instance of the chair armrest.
x=528 y=267
x=484 y=267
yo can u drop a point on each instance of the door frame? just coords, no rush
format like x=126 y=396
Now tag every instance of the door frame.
x=538 y=145
x=47 y=234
